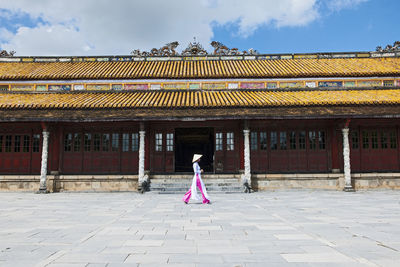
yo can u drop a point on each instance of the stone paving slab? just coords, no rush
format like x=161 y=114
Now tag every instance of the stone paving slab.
x=276 y=228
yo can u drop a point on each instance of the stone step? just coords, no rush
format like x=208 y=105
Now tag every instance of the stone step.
x=203 y=176
x=154 y=185
x=166 y=185
x=180 y=192
x=189 y=180
x=210 y=188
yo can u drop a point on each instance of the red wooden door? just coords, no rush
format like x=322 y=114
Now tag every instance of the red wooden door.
x=129 y=152
x=317 y=152
x=36 y=153
x=219 y=152
x=169 y=152
x=227 y=154
x=354 y=142
x=379 y=149
x=162 y=151
x=105 y=157
x=231 y=157
x=157 y=152
x=289 y=151
x=91 y=153
x=258 y=151
x=16 y=153
x=72 y=156
x=278 y=160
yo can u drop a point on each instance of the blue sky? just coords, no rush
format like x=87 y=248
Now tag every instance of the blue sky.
x=102 y=27
x=360 y=28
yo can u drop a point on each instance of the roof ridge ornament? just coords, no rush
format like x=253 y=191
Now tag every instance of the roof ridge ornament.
x=220 y=49
x=4 y=53
x=389 y=48
x=194 y=49
x=167 y=50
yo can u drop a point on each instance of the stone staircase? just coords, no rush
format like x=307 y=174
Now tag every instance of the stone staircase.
x=180 y=184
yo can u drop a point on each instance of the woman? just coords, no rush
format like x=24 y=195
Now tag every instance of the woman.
x=197 y=182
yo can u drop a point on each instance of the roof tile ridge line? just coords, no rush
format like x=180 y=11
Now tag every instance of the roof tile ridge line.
x=291 y=66
x=257 y=66
x=66 y=70
x=267 y=69
x=116 y=99
x=65 y=100
x=255 y=95
x=233 y=64
x=147 y=96
x=161 y=99
x=172 y=99
x=84 y=69
x=100 y=100
x=262 y=95
x=225 y=67
x=227 y=102
x=133 y=66
x=218 y=98
x=196 y=95
x=37 y=71
x=124 y=71
x=249 y=101
x=81 y=99
x=210 y=57
x=75 y=69
x=133 y=97
x=103 y=67
x=210 y=101
x=148 y=71
x=156 y=99
x=233 y=95
x=119 y=67
x=93 y=101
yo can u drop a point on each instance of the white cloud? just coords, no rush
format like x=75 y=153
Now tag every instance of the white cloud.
x=341 y=4
x=95 y=27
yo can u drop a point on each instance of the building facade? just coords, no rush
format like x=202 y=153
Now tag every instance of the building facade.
x=276 y=121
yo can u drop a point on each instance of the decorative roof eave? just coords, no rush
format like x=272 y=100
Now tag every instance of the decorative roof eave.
x=198 y=99
x=296 y=68
x=130 y=58
x=120 y=115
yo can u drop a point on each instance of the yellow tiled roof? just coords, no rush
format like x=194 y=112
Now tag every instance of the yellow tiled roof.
x=280 y=68
x=196 y=99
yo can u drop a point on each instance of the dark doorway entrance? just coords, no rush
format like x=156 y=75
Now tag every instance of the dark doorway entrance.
x=191 y=141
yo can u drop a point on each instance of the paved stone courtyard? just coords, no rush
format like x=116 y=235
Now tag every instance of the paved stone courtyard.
x=277 y=228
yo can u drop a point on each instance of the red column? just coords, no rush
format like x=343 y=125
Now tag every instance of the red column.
x=241 y=148
x=147 y=149
x=55 y=148
x=336 y=148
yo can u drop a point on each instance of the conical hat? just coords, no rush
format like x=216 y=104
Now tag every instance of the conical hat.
x=196 y=157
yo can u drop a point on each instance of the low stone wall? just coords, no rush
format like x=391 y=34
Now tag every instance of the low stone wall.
x=334 y=181
x=376 y=181
x=60 y=183
x=22 y=183
x=261 y=182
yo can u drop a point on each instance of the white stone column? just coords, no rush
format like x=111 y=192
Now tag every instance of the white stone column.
x=247 y=169
x=43 y=170
x=346 y=158
x=142 y=177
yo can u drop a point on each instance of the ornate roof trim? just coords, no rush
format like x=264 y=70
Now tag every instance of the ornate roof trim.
x=130 y=58
x=194 y=49
x=197 y=99
x=389 y=48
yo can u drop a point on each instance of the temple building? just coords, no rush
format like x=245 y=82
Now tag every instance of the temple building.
x=108 y=123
